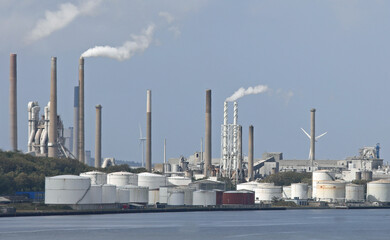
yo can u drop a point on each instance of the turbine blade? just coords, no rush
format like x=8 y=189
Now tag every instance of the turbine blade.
x=140 y=131
x=306 y=133
x=321 y=135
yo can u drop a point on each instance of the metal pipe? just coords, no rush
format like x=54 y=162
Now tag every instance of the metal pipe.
x=98 y=137
x=312 y=135
x=149 y=130
x=81 y=146
x=250 y=154
x=76 y=122
x=207 y=161
x=52 y=145
x=13 y=103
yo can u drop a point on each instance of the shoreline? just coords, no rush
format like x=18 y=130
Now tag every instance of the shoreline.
x=177 y=209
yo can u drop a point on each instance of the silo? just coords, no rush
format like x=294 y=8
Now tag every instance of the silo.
x=299 y=191
x=175 y=197
x=96 y=177
x=93 y=196
x=354 y=193
x=139 y=195
x=330 y=191
x=378 y=191
x=319 y=176
x=247 y=186
x=122 y=195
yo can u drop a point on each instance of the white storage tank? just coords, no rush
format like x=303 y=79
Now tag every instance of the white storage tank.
x=122 y=195
x=267 y=193
x=175 y=197
x=122 y=179
x=138 y=194
x=378 y=191
x=299 y=191
x=354 y=193
x=188 y=196
x=250 y=186
x=93 y=196
x=204 y=198
x=319 y=176
x=108 y=193
x=286 y=194
x=154 y=196
x=97 y=178
x=151 y=180
x=66 y=189
x=179 y=181
x=330 y=191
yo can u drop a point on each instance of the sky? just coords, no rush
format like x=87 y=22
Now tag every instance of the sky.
x=328 y=55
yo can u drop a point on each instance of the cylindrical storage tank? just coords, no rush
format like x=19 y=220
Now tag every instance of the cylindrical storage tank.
x=378 y=191
x=319 y=176
x=122 y=179
x=66 y=189
x=167 y=167
x=151 y=180
x=108 y=193
x=250 y=186
x=179 y=181
x=238 y=197
x=204 y=198
x=309 y=191
x=367 y=175
x=268 y=193
x=358 y=175
x=330 y=191
x=188 y=196
x=175 y=168
x=219 y=196
x=96 y=177
x=122 y=195
x=138 y=194
x=93 y=196
x=175 y=197
x=286 y=194
x=299 y=191
x=154 y=196
x=354 y=193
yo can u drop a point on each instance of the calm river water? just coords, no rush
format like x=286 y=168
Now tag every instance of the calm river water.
x=289 y=224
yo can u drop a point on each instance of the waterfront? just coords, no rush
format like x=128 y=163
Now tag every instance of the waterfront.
x=288 y=224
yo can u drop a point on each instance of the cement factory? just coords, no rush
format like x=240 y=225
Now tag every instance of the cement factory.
x=196 y=180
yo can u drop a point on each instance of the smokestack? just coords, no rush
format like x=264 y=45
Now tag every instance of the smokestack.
x=52 y=144
x=149 y=130
x=250 y=154
x=76 y=122
x=239 y=147
x=207 y=159
x=98 y=137
x=312 y=134
x=81 y=147
x=165 y=154
x=13 y=103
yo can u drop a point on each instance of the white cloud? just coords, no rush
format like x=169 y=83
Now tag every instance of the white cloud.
x=175 y=30
x=167 y=16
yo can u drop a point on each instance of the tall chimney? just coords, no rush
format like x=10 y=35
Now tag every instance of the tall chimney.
x=149 y=130
x=207 y=159
x=239 y=147
x=165 y=154
x=13 y=103
x=76 y=122
x=250 y=154
x=312 y=135
x=98 y=137
x=52 y=144
x=81 y=146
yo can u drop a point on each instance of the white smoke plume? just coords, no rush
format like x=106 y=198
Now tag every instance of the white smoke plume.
x=168 y=17
x=56 y=20
x=243 y=92
x=139 y=43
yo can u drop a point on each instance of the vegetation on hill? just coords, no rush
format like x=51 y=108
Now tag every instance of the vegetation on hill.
x=286 y=178
x=23 y=172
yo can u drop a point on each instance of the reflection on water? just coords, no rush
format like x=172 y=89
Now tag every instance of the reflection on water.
x=290 y=224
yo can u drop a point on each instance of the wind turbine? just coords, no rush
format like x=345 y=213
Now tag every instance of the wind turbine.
x=142 y=141
x=316 y=139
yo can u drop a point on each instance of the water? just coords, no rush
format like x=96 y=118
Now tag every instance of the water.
x=290 y=224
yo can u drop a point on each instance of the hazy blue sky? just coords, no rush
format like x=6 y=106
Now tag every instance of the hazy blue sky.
x=330 y=55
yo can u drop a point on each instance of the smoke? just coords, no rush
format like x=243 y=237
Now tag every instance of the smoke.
x=56 y=20
x=139 y=43
x=168 y=17
x=243 y=92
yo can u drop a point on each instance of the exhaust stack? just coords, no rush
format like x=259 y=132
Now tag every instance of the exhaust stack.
x=13 y=103
x=250 y=154
x=312 y=134
x=52 y=144
x=98 y=137
x=207 y=159
x=149 y=130
x=81 y=146
x=76 y=122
